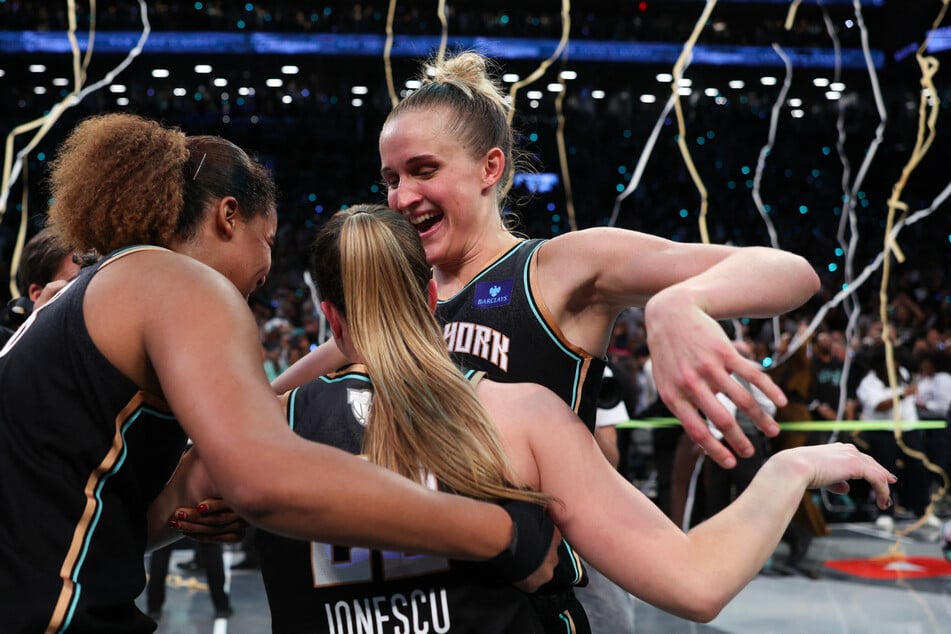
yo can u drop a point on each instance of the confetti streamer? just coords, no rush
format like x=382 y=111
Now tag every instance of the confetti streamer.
x=12 y=168
x=678 y=109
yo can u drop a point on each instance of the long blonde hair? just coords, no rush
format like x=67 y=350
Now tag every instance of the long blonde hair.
x=425 y=417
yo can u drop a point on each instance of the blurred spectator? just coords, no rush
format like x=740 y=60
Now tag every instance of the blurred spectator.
x=45 y=259
x=877 y=402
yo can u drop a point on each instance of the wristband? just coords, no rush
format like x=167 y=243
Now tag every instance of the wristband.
x=532 y=531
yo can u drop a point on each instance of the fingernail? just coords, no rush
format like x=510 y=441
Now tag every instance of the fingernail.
x=181 y=515
x=173 y=523
x=202 y=508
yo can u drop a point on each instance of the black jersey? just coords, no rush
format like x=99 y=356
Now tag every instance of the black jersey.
x=322 y=588
x=83 y=452
x=498 y=323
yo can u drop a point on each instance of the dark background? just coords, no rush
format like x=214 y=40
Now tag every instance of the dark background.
x=323 y=149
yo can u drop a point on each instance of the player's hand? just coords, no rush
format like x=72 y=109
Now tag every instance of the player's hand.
x=211 y=521
x=692 y=361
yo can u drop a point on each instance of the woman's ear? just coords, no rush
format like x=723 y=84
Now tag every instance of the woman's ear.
x=493 y=167
x=333 y=318
x=226 y=216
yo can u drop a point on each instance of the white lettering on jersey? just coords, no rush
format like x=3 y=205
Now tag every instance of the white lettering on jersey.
x=479 y=341
x=423 y=612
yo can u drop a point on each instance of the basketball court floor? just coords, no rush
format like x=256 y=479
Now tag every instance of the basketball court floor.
x=857 y=580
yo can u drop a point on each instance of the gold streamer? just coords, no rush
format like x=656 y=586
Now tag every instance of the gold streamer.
x=928 y=107
x=441 y=12
x=387 y=48
x=21 y=238
x=538 y=72
x=791 y=15
x=563 y=156
x=681 y=127
x=44 y=123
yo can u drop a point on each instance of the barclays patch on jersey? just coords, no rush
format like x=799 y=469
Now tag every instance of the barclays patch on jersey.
x=492 y=294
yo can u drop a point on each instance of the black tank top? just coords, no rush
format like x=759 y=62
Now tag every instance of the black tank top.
x=327 y=589
x=498 y=324
x=83 y=452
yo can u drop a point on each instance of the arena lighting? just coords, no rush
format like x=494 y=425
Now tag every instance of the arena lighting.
x=289 y=69
x=160 y=73
x=39 y=90
x=60 y=81
x=203 y=69
x=274 y=82
x=510 y=78
x=122 y=101
x=2 y=72
x=648 y=98
x=665 y=78
x=837 y=85
x=721 y=100
x=685 y=91
x=287 y=99
x=797 y=113
x=554 y=87
x=768 y=80
x=37 y=68
x=685 y=81
x=220 y=82
x=356 y=103
x=413 y=84
x=225 y=43
x=117 y=88
x=359 y=90
x=711 y=92
x=568 y=74
x=534 y=94
x=794 y=102
x=533 y=103
x=832 y=95
x=597 y=94
x=737 y=84
x=820 y=82
x=244 y=91
x=179 y=92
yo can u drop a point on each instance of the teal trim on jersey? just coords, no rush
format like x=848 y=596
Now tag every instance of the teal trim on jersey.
x=343 y=377
x=579 y=361
x=485 y=272
x=567 y=623
x=74 y=575
x=290 y=408
x=574 y=562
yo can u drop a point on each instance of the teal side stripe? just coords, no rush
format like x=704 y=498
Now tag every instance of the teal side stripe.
x=74 y=577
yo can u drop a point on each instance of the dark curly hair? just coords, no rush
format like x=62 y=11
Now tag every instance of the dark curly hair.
x=120 y=180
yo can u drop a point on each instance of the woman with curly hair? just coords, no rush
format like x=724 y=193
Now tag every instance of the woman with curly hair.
x=154 y=344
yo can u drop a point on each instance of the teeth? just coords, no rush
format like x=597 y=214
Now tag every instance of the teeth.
x=416 y=220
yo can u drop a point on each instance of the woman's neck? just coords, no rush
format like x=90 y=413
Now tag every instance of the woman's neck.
x=451 y=278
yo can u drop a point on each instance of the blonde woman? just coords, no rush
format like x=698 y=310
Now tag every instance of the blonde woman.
x=402 y=403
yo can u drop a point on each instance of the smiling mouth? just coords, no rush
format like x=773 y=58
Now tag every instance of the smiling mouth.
x=426 y=222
